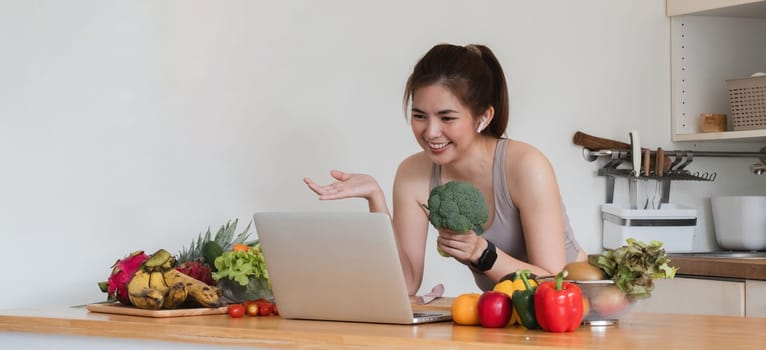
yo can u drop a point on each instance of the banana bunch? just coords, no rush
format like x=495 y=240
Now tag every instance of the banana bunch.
x=158 y=285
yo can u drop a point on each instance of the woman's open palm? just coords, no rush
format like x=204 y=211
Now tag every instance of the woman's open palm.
x=347 y=185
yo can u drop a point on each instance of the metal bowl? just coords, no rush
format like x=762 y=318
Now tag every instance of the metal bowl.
x=604 y=302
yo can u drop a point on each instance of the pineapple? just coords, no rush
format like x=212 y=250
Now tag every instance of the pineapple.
x=225 y=238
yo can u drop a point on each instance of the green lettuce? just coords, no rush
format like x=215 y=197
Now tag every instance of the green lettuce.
x=635 y=266
x=241 y=266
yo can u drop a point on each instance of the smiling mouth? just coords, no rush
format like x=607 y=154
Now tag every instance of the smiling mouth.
x=438 y=146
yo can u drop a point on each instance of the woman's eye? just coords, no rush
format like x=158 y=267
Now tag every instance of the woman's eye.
x=418 y=116
x=448 y=119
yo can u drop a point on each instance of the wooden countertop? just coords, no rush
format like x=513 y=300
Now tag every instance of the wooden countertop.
x=753 y=269
x=635 y=331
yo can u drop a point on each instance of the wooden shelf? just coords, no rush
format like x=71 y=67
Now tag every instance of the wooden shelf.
x=723 y=8
x=743 y=136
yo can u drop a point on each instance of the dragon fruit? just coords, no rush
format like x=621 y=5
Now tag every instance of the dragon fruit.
x=122 y=272
x=197 y=270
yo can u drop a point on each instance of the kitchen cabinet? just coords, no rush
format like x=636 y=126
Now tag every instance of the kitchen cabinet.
x=712 y=41
x=755 y=296
x=701 y=296
x=707 y=296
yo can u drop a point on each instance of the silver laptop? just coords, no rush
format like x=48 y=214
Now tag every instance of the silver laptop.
x=337 y=266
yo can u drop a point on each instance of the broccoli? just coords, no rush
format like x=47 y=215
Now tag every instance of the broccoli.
x=457 y=206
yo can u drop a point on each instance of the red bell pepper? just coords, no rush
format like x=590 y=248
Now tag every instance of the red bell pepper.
x=558 y=305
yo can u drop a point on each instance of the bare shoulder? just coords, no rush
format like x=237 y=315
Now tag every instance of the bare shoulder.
x=529 y=173
x=523 y=156
x=415 y=165
x=413 y=174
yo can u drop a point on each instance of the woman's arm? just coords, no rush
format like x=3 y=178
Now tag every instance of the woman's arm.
x=348 y=185
x=469 y=247
x=411 y=188
x=536 y=194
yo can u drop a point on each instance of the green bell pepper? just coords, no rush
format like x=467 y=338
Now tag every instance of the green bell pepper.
x=524 y=301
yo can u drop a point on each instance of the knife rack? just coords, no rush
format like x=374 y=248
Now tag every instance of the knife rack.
x=664 y=175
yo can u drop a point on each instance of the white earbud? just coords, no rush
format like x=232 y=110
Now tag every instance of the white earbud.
x=481 y=124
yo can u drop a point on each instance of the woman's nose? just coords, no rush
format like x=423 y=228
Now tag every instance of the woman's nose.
x=433 y=129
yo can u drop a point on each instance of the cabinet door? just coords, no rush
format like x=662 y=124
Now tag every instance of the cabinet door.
x=755 y=293
x=696 y=296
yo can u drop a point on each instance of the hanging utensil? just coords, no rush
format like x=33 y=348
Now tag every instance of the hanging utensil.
x=635 y=143
x=647 y=156
x=659 y=172
x=659 y=168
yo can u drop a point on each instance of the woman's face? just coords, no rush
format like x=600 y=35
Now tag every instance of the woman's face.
x=442 y=125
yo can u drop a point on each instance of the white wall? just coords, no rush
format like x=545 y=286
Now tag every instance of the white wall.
x=138 y=124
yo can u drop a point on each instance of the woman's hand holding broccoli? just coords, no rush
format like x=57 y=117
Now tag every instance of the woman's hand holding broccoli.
x=456 y=208
x=463 y=246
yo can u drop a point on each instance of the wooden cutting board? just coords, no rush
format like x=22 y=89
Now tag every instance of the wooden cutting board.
x=117 y=308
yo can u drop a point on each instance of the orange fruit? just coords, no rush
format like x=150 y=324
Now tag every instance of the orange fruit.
x=465 y=309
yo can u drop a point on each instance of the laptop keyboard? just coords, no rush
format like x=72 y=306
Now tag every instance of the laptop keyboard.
x=425 y=314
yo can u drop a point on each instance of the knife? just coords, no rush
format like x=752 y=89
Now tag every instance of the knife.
x=635 y=144
x=598 y=143
x=647 y=157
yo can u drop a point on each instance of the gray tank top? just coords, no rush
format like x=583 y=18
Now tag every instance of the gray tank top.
x=506 y=231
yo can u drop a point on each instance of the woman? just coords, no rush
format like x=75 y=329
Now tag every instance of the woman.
x=459 y=114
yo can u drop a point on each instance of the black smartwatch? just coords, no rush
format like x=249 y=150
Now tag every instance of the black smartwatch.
x=487 y=258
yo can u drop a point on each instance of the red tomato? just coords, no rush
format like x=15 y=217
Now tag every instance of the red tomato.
x=265 y=309
x=236 y=310
x=251 y=309
x=276 y=312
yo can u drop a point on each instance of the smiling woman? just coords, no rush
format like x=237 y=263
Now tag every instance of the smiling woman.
x=459 y=114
